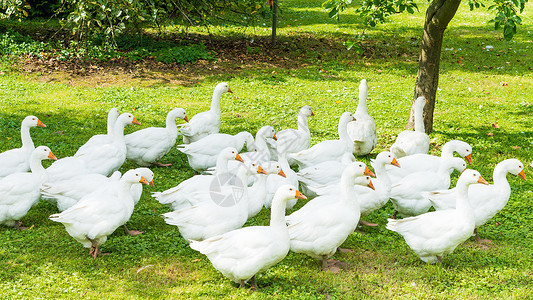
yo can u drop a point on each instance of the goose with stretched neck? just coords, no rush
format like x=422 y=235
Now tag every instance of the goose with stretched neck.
x=435 y=234
x=362 y=131
x=241 y=254
x=147 y=146
x=410 y=142
x=101 y=139
x=99 y=214
x=207 y=122
x=329 y=149
x=18 y=160
x=485 y=200
x=274 y=182
x=424 y=162
x=323 y=224
x=20 y=191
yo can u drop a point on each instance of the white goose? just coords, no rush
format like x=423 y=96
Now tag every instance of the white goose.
x=21 y=190
x=241 y=254
x=424 y=162
x=220 y=210
x=203 y=153
x=100 y=139
x=406 y=195
x=485 y=200
x=177 y=197
x=102 y=159
x=98 y=214
x=258 y=192
x=410 y=142
x=207 y=122
x=323 y=224
x=18 y=160
x=261 y=153
x=435 y=234
x=147 y=146
x=362 y=131
x=329 y=149
x=293 y=140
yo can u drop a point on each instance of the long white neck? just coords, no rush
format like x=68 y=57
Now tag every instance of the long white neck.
x=462 y=204
x=382 y=175
x=118 y=132
x=111 y=120
x=419 y=119
x=36 y=166
x=346 y=188
x=283 y=162
x=124 y=195
x=222 y=164
x=215 y=102
x=171 y=124
x=261 y=146
x=500 y=176
x=27 y=142
x=447 y=150
x=302 y=123
x=361 y=106
x=343 y=131
x=277 y=213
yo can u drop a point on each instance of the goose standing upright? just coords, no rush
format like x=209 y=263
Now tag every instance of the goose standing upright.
x=485 y=200
x=21 y=190
x=147 y=146
x=410 y=142
x=435 y=234
x=18 y=160
x=97 y=215
x=241 y=254
x=100 y=139
x=207 y=122
x=329 y=149
x=362 y=131
x=323 y=224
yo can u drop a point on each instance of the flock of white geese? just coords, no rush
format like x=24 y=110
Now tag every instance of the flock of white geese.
x=94 y=199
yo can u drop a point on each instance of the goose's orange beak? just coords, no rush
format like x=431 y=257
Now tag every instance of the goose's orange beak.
x=281 y=173
x=40 y=124
x=261 y=170
x=312 y=114
x=370 y=185
x=482 y=180
x=395 y=162
x=52 y=156
x=151 y=183
x=353 y=118
x=368 y=172
x=299 y=195
x=186 y=119
x=230 y=91
x=238 y=157
x=275 y=137
x=522 y=174
x=143 y=181
x=135 y=121
x=469 y=158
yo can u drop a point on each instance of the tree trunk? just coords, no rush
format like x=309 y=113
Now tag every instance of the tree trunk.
x=274 y=21
x=438 y=15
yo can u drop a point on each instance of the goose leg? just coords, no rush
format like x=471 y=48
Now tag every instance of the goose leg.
x=439 y=258
x=253 y=283
x=480 y=240
x=94 y=249
x=131 y=232
x=362 y=222
x=158 y=164
x=324 y=262
x=241 y=285
x=394 y=215
x=18 y=225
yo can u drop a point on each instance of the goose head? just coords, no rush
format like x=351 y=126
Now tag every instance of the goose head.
x=345 y=119
x=43 y=152
x=454 y=163
x=420 y=102
x=126 y=119
x=273 y=167
x=515 y=167
x=364 y=181
x=288 y=192
x=267 y=132
x=230 y=153
x=470 y=176
x=32 y=121
x=306 y=111
x=222 y=88
x=179 y=113
x=133 y=176
x=147 y=174
x=462 y=148
x=387 y=157
x=356 y=169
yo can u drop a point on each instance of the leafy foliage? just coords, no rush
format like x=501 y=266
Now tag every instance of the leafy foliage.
x=183 y=54
x=507 y=17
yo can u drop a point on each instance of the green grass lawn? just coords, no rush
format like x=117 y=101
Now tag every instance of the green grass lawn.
x=477 y=89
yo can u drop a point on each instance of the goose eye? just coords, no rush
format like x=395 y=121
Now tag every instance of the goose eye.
x=290 y=189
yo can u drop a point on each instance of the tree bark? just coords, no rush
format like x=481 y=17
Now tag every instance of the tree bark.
x=274 y=21
x=438 y=15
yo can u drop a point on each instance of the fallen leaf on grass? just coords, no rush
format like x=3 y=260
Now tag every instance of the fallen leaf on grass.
x=495 y=125
x=503 y=83
x=346 y=250
x=195 y=260
x=142 y=268
x=516 y=147
x=490 y=134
